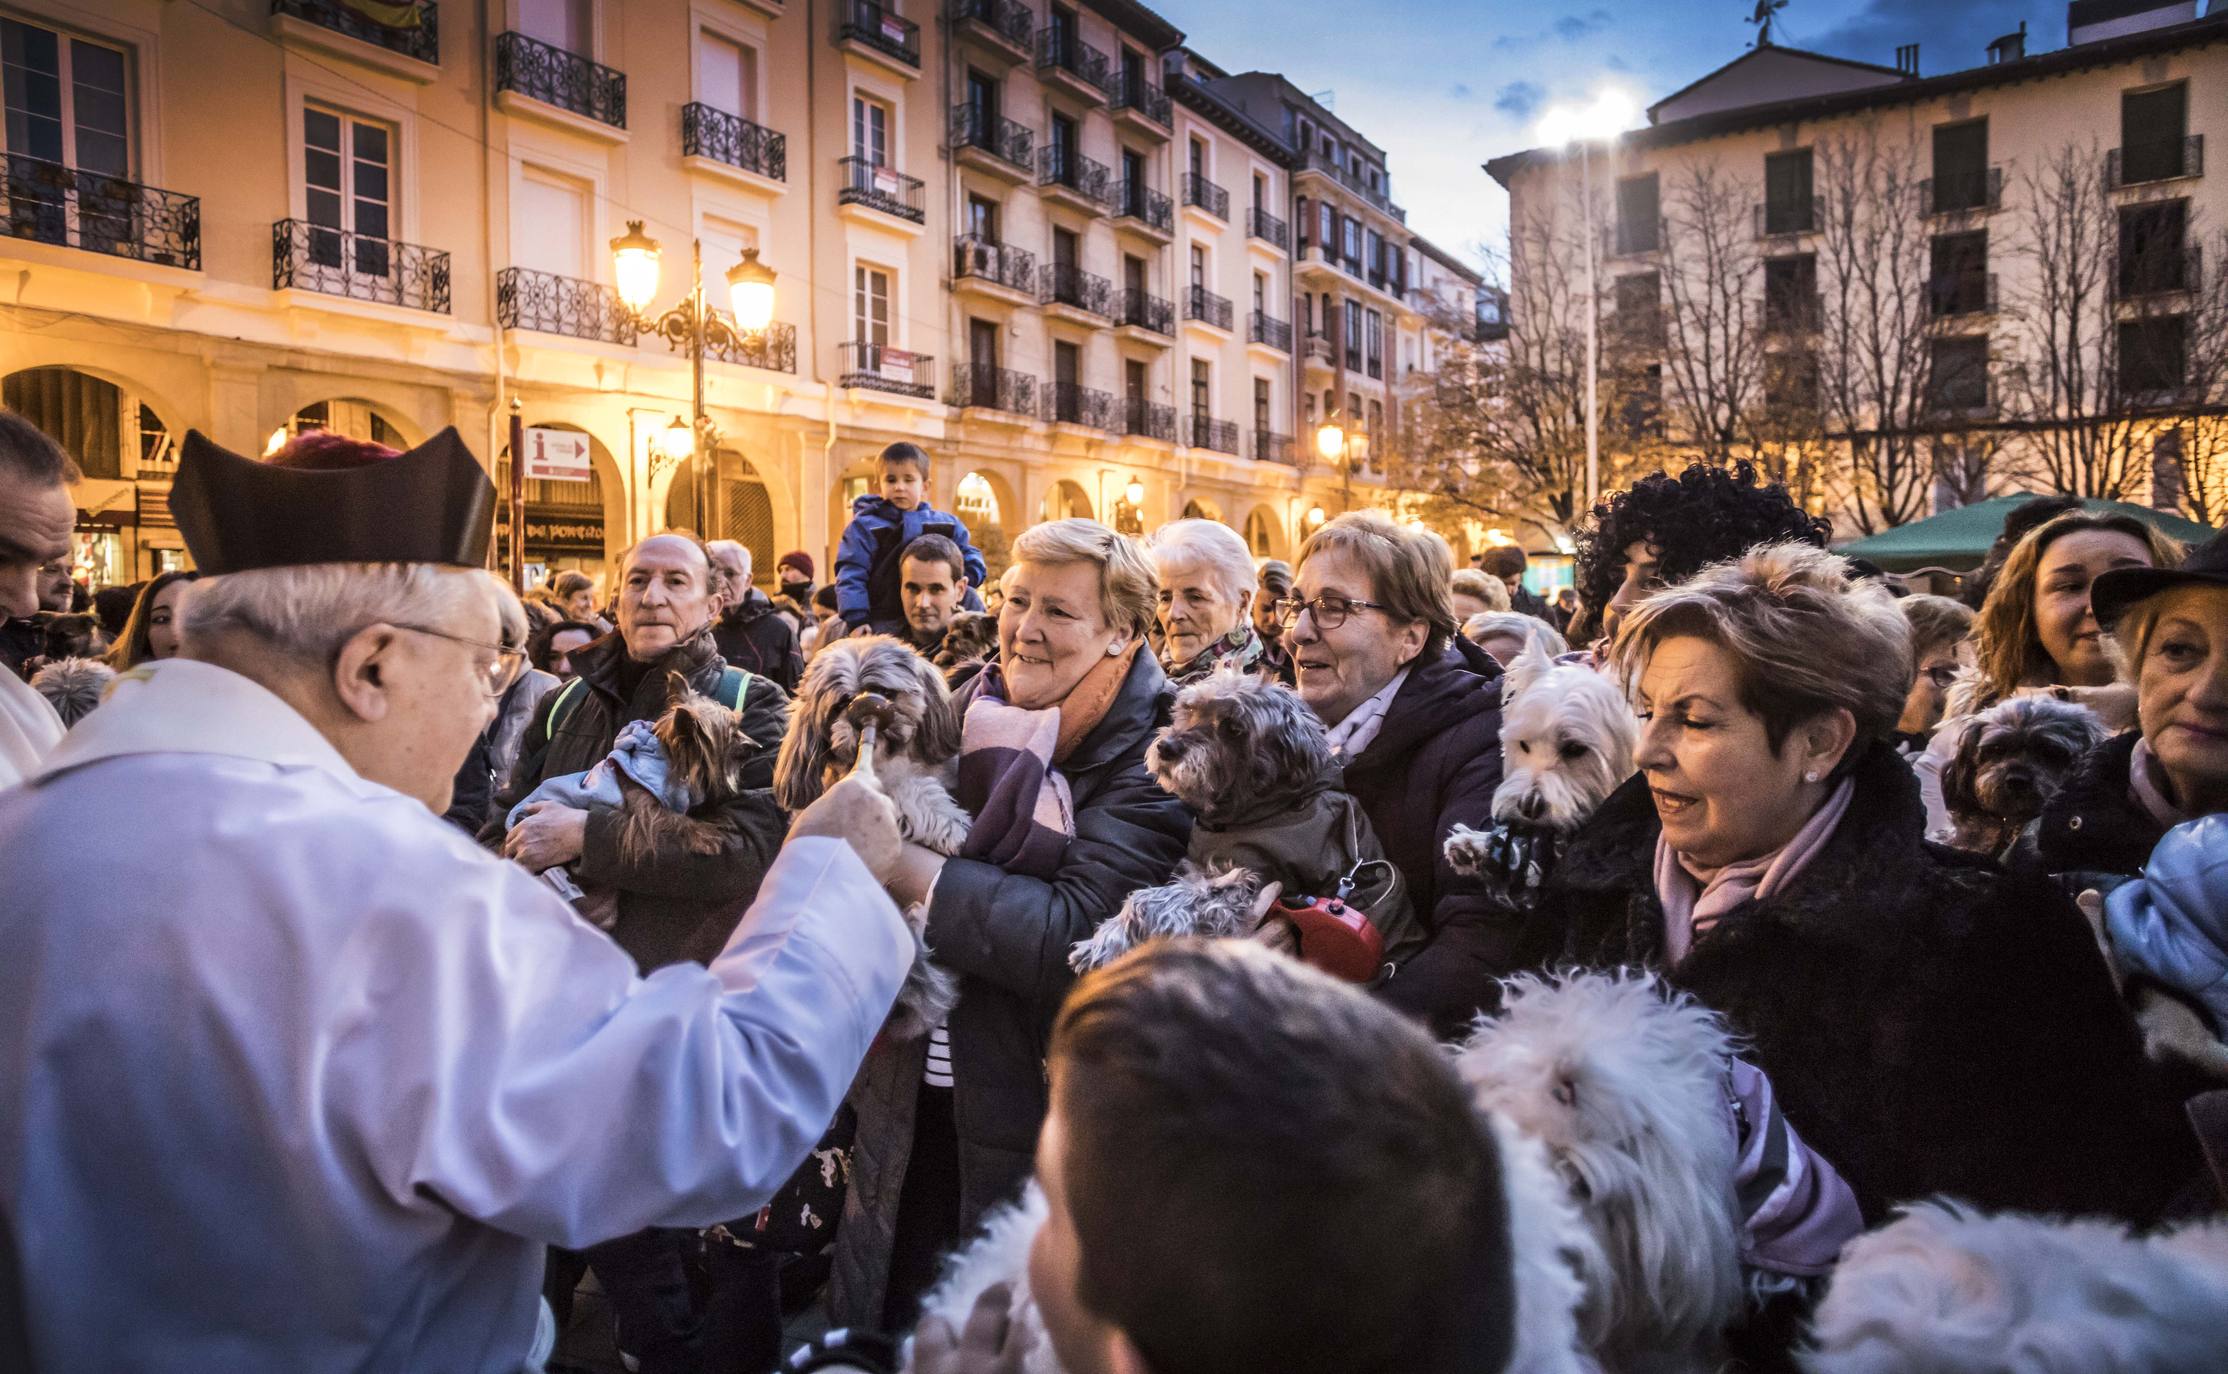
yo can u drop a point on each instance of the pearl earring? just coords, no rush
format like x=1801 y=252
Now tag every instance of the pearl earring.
x=1113 y=650
x=1811 y=776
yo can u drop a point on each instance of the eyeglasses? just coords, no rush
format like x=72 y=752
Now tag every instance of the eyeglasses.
x=498 y=675
x=1330 y=612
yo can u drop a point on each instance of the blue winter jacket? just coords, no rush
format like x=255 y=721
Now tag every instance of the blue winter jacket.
x=867 y=580
x=2171 y=924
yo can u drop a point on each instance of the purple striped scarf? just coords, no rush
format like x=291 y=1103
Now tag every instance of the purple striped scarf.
x=1024 y=813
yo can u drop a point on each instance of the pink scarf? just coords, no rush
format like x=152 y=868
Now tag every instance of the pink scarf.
x=1695 y=899
x=2144 y=790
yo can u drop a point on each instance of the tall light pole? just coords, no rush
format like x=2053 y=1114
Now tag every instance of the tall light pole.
x=695 y=326
x=1610 y=114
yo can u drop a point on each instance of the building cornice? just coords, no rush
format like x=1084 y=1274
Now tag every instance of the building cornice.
x=1195 y=97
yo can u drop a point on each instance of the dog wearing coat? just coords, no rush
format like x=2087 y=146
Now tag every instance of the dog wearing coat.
x=2010 y=760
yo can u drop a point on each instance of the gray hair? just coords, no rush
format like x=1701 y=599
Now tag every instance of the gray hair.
x=307 y=613
x=740 y=549
x=1182 y=545
x=1529 y=628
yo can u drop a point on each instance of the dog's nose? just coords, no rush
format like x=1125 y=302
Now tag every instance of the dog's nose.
x=2020 y=784
x=1171 y=747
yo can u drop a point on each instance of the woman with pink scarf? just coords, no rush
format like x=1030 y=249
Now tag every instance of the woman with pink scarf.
x=1931 y=1025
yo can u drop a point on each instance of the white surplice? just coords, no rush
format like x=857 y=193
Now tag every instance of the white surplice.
x=28 y=729
x=295 y=1077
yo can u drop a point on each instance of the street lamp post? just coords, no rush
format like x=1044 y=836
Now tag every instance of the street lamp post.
x=1608 y=116
x=693 y=325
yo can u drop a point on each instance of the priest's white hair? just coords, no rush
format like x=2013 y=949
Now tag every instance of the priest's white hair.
x=307 y=613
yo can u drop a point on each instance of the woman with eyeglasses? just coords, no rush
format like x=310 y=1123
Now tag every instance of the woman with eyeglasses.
x=1414 y=712
x=1941 y=647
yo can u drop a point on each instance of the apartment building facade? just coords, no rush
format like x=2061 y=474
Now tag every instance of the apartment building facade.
x=996 y=231
x=2025 y=254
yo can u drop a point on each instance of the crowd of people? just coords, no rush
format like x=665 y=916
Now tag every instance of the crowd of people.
x=758 y=947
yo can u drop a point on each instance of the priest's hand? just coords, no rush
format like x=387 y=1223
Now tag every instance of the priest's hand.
x=551 y=835
x=858 y=813
x=993 y=1343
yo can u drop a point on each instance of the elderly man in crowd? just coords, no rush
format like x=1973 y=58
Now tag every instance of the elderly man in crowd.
x=356 y=1068
x=1207 y=587
x=750 y=635
x=36 y=516
x=932 y=580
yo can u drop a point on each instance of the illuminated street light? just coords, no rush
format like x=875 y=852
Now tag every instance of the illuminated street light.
x=634 y=263
x=1135 y=492
x=1330 y=442
x=750 y=289
x=674 y=442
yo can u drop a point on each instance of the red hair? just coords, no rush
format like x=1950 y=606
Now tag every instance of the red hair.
x=322 y=450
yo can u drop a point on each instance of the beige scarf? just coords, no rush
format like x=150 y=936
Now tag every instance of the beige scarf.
x=1695 y=899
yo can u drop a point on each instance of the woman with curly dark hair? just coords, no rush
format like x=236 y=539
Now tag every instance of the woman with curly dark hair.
x=1664 y=529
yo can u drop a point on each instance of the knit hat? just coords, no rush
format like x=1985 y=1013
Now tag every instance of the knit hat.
x=798 y=559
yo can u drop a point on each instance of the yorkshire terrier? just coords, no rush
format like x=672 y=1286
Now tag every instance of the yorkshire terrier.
x=2011 y=759
x=970 y=641
x=1253 y=764
x=916 y=759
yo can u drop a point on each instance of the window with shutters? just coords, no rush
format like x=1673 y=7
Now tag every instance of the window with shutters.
x=727 y=75
x=550 y=224
x=2154 y=128
x=1133 y=382
x=348 y=189
x=1961 y=166
x=564 y=24
x=1639 y=215
x=870 y=305
x=1788 y=202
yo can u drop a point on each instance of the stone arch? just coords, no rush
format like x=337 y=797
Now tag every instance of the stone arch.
x=1202 y=508
x=1065 y=500
x=986 y=502
x=745 y=509
x=1264 y=533
x=412 y=411
x=98 y=418
x=355 y=416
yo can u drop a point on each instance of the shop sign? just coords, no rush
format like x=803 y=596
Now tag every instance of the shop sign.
x=556 y=455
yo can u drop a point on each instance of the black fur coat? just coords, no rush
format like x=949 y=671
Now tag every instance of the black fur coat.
x=1932 y=1024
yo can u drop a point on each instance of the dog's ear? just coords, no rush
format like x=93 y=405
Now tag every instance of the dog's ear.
x=802 y=761
x=1961 y=776
x=937 y=739
x=1530 y=666
x=676 y=688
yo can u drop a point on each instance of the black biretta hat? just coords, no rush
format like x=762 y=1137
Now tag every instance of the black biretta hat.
x=2113 y=592
x=433 y=504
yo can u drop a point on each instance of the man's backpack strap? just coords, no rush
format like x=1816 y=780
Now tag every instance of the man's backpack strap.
x=559 y=709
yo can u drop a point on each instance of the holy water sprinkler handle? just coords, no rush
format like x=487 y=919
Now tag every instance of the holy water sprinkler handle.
x=866 y=712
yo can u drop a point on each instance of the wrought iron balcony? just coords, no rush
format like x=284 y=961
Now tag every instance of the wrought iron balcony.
x=880 y=188
x=311 y=257
x=1135 y=93
x=1066 y=403
x=2157 y=159
x=1135 y=200
x=1059 y=54
x=774 y=349
x=75 y=208
x=974 y=126
x=1207 y=307
x=549 y=304
x=1958 y=193
x=1146 y=420
x=714 y=133
x=1379 y=195
x=1145 y=311
x=1272 y=447
x=1206 y=195
x=1061 y=168
x=1960 y=293
x=420 y=39
x=1205 y=431
x=2160 y=272
x=1063 y=283
x=544 y=72
x=1007 y=21
x=863 y=21
x=1267 y=329
x=993 y=388
x=1260 y=224
x=1794 y=215
x=1000 y=264
x=879 y=367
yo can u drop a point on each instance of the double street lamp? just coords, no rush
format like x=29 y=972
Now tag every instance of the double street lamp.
x=1609 y=114
x=695 y=326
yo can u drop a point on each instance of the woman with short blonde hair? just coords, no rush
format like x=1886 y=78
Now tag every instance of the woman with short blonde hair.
x=1206 y=594
x=1926 y=1020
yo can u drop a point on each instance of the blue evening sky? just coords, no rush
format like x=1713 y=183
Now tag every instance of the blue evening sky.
x=1444 y=86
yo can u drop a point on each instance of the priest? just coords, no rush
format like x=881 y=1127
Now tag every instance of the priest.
x=292 y=1075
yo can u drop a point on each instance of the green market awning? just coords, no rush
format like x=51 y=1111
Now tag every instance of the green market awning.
x=1959 y=539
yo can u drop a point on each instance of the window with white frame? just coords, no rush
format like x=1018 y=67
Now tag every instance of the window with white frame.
x=870 y=131
x=68 y=98
x=567 y=25
x=550 y=224
x=870 y=306
x=727 y=75
x=348 y=188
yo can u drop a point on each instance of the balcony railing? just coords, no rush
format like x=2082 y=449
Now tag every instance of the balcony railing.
x=1008 y=19
x=880 y=188
x=1146 y=420
x=1205 y=431
x=1062 y=167
x=865 y=22
x=1135 y=200
x=1260 y=224
x=986 y=259
x=1961 y=293
x=549 y=304
x=994 y=388
x=1066 y=403
x=1058 y=52
x=1379 y=195
x=1132 y=90
x=311 y=257
x=714 y=133
x=879 y=367
x=1207 y=307
x=1146 y=311
x=544 y=72
x=1957 y=193
x=774 y=348
x=1796 y=215
x=420 y=37
x=2157 y=159
x=1206 y=195
x=974 y=126
x=1063 y=283
x=1272 y=447
x=2161 y=273
x=1267 y=329
x=75 y=208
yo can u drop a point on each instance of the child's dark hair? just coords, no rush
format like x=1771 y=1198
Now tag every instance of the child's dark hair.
x=902 y=452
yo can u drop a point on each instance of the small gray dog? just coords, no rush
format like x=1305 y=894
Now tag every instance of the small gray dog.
x=2010 y=760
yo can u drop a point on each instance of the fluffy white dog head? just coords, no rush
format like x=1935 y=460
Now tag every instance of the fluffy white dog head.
x=1567 y=736
x=1944 y=1291
x=1622 y=1084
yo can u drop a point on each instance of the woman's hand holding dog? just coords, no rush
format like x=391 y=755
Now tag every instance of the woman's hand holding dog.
x=858 y=813
x=992 y=1343
x=550 y=836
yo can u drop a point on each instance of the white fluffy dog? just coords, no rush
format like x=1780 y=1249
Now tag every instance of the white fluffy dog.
x=1944 y=1291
